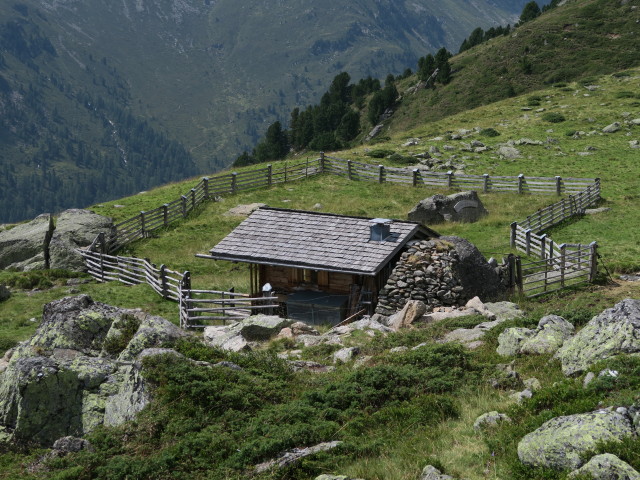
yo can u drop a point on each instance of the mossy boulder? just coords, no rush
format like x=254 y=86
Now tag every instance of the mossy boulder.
x=551 y=333
x=561 y=442
x=613 y=332
x=606 y=467
x=63 y=381
x=25 y=247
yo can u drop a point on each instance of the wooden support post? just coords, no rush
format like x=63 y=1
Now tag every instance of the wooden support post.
x=269 y=175
x=551 y=249
x=306 y=169
x=558 y=185
x=543 y=246
x=416 y=172
x=450 y=179
x=349 y=170
x=193 y=198
x=142 y=225
x=321 y=162
x=563 y=262
x=485 y=184
x=165 y=214
x=234 y=182
x=205 y=184
x=113 y=236
x=183 y=204
x=380 y=173
x=527 y=234
x=519 y=279
x=514 y=233
x=597 y=182
x=285 y=172
x=594 y=261
x=101 y=242
x=163 y=281
x=520 y=183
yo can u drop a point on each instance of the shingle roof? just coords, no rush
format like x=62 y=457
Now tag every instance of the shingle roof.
x=314 y=240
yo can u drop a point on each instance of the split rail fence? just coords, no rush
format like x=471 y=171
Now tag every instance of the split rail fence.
x=195 y=306
x=560 y=265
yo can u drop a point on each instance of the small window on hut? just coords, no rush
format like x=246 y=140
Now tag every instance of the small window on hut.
x=310 y=276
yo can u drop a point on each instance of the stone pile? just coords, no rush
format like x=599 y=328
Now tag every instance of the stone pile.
x=442 y=272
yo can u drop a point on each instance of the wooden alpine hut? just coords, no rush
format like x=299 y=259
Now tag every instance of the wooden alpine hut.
x=323 y=267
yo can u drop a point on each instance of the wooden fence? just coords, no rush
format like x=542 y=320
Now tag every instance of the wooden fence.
x=195 y=306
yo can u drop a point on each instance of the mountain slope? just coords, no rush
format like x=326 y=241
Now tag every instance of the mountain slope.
x=100 y=99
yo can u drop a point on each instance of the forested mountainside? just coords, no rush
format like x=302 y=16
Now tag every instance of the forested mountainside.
x=102 y=99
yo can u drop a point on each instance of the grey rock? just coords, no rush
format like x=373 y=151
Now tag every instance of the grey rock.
x=432 y=473
x=560 y=442
x=244 y=210
x=613 y=332
x=511 y=339
x=589 y=377
x=490 y=419
x=72 y=445
x=504 y=310
x=509 y=153
x=595 y=211
x=345 y=355
x=551 y=333
x=607 y=467
x=25 y=247
x=522 y=396
x=262 y=327
x=463 y=335
x=412 y=311
x=458 y=207
x=152 y=332
x=294 y=456
x=532 y=384
x=75 y=229
x=614 y=127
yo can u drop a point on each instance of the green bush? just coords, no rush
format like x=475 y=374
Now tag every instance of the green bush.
x=397 y=158
x=553 y=117
x=489 y=132
x=627 y=94
x=127 y=325
x=534 y=100
x=379 y=153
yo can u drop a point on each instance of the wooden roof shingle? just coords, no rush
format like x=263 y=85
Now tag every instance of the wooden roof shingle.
x=319 y=241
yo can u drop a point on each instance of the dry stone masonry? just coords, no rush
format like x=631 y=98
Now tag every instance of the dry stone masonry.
x=444 y=272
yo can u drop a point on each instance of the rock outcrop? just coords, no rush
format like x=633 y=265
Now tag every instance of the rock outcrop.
x=458 y=207
x=26 y=246
x=561 y=442
x=606 y=467
x=548 y=337
x=78 y=371
x=239 y=336
x=613 y=332
x=75 y=228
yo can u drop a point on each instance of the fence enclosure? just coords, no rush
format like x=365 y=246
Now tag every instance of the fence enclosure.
x=560 y=265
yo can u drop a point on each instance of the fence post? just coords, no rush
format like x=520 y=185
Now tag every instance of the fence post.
x=520 y=182
x=594 y=261
x=101 y=241
x=205 y=183
x=514 y=229
x=163 y=281
x=349 y=170
x=415 y=177
x=193 y=199
x=551 y=248
x=113 y=236
x=450 y=179
x=269 y=175
x=380 y=173
x=519 y=279
x=543 y=246
x=234 y=180
x=321 y=162
x=142 y=224
x=165 y=214
x=285 y=172
x=485 y=184
x=306 y=169
x=102 y=268
x=558 y=185
x=528 y=241
x=563 y=260
x=597 y=182
x=183 y=204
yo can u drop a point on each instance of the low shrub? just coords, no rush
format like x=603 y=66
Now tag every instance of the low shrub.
x=553 y=117
x=379 y=153
x=489 y=132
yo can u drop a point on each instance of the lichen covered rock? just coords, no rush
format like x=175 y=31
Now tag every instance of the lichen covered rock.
x=560 y=442
x=607 y=467
x=613 y=332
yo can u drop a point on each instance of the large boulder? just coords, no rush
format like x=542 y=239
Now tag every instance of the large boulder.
x=239 y=336
x=80 y=369
x=458 y=207
x=548 y=337
x=606 y=467
x=473 y=272
x=25 y=246
x=75 y=228
x=613 y=332
x=561 y=442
